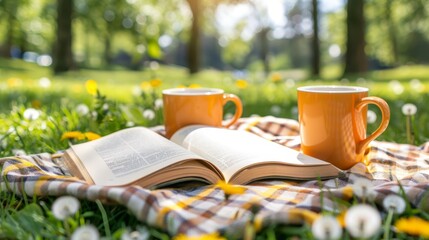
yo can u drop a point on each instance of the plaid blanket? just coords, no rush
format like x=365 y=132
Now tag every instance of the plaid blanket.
x=204 y=209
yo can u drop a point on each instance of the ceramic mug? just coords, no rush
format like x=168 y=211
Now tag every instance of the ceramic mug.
x=333 y=121
x=188 y=106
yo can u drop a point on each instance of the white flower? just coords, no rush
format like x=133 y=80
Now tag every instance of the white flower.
x=394 y=202
x=137 y=90
x=130 y=124
x=363 y=188
x=31 y=114
x=158 y=103
x=149 y=114
x=82 y=109
x=396 y=86
x=65 y=206
x=416 y=85
x=409 y=109
x=371 y=116
x=18 y=152
x=141 y=234
x=45 y=82
x=87 y=232
x=229 y=116
x=362 y=221
x=326 y=227
x=105 y=107
x=276 y=110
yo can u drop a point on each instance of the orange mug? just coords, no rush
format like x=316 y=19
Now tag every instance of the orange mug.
x=333 y=123
x=187 y=106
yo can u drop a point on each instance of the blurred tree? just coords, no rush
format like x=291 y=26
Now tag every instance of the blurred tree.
x=315 y=43
x=9 y=13
x=197 y=8
x=63 y=55
x=355 y=59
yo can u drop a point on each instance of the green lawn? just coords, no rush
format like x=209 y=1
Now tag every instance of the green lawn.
x=123 y=100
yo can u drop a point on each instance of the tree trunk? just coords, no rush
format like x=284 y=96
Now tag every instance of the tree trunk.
x=315 y=61
x=11 y=21
x=355 y=59
x=194 y=44
x=392 y=31
x=63 y=55
x=264 y=52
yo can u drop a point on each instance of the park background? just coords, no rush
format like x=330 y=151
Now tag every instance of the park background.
x=55 y=55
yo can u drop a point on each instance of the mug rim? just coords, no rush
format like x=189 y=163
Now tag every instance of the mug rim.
x=192 y=91
x=332 y=89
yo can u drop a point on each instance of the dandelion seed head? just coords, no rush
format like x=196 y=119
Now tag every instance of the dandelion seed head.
x=290 y=83
x=371 y=116
x=130 y=124
x=394 y=202
x=409 y=109
x=276 y=110
x=416 y=85
x=137 y=91
x=65 y=206
x=82 y=109
x=149 y=114
x=158 y=104
x=362 y=221
x=229 y=116
x=44 y=82
x=105 y=106
x=396 y=86
x=87 y=232
x=326 y=227
x=31 y=114
x=363 y=188
x=18 y=152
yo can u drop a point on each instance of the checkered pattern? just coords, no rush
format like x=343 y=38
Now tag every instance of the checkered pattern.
x=205 y=209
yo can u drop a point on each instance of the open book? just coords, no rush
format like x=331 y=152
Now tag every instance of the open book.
x=140 y=156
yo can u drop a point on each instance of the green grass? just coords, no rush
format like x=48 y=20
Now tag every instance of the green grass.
x=20 y=90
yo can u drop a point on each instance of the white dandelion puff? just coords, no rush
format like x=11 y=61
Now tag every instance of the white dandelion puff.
x=326 y=227
x=137 y=90
x=396 y=86
x=82 y=109
x=416 y=85
x=149 y=114
x=18 y=152
x=362 y=221
x=158 y=104
x=87 y=232
x=141 y=234
x=44 y=82
x=371 y=116
x=31 y=114
x=65 y=206
x=395 y=203
x=276 y=110
x=363 y=188
x=409 y=109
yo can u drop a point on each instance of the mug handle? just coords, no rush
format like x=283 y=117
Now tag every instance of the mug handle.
x=385 y=118
x=238 y=107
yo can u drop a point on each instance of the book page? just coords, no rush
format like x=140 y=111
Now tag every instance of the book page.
x=233 y=150
x=127 y=155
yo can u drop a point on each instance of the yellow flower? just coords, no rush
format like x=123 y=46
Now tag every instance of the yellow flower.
x=229 y=189
x=276 y=77
x=91 y=86
x=347 y=192
x=74 y=134
x=211 y=236
x=194 y=85
x=413 y=226
x=341 y=218
x=156 y=82
x=36 y=104
x=91 y=136
x=241 y=83
x=145 y=86
x=304 y=214
x=181 y=86
x=14 y=82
